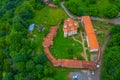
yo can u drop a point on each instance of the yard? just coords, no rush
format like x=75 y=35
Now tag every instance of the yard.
x=66 y=47
x=102 y=29
x=47 y=17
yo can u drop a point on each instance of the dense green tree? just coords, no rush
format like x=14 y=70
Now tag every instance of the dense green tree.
x=41 y=58
x=30 y=65
x=81 y=11
x=111 y=11
x=25 y=11
x=93 y=11
x=37 y=4
x=19 y=76
x=115 y=29
x=19 y=66
x=48 y=78
x=111 y=58
x=8 y=76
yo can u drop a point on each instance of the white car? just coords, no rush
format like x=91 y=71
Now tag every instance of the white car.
x=75 y=77
x=97 y=65
x=93 y=73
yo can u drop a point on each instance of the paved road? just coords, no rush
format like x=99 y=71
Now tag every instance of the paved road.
x=67 y=12
x=111 y=21
x=82 y=75
x=98 y=72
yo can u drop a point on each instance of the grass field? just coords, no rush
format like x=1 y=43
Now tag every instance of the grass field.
x=66 y=47
x=47 y=17
x=102 y=29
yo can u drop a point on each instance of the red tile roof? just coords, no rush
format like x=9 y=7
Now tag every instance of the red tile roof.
x=70 y=25
x=52 y=5
x=92 y=40
x=48 y=40
x=69 y=63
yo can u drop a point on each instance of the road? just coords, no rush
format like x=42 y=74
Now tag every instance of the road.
x=67 y=12
x=97 y=75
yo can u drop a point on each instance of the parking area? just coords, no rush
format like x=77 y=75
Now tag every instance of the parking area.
x=81 y=75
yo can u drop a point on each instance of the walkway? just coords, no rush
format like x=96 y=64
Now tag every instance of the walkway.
x=76 y=40
x=82 y=43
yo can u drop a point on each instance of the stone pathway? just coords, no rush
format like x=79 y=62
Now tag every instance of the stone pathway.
x=83 y=42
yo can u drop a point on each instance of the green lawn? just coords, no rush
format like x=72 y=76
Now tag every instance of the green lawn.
x=66 y=47
x=102 y=29
x=47 y=17
x=62 y=75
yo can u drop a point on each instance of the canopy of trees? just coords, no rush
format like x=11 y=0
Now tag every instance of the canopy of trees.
x=18 y=58
x=111 y=58
x=99 y=8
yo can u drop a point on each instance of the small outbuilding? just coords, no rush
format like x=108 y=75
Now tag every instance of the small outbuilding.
x=40 y=28
x=31 y=27
x=46 y=1
x=52 y=5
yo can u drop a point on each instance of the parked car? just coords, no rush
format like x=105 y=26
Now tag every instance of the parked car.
x=75 y=77
x=93 y=73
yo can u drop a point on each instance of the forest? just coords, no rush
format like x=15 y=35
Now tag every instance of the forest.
x=99 y=8
x=18 y=58
x=111 y=59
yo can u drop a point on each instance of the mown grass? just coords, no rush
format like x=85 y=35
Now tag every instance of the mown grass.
x=47 y=17
x=66 y=47
x=102 y=29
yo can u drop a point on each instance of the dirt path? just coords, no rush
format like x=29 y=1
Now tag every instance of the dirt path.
x=76 y=40
x=83 y=42
x=66 y=10
x=97 y=75
x=83 y=45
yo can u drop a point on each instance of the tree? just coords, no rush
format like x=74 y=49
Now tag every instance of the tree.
x=117 y=3
x=111 y=11
x=8 y=76
x=81 y=11
x=19 y=66
x=19 y=76
x=37 y=4
x=48 y=78
x=25 y=11
x=111 y=58
x=93 y=11
x=91 y=1
x=41 y=58
x=115 y=29
x=30 y=65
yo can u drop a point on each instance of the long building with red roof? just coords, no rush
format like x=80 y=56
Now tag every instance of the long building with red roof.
x=68 y=63
x=90 y=34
